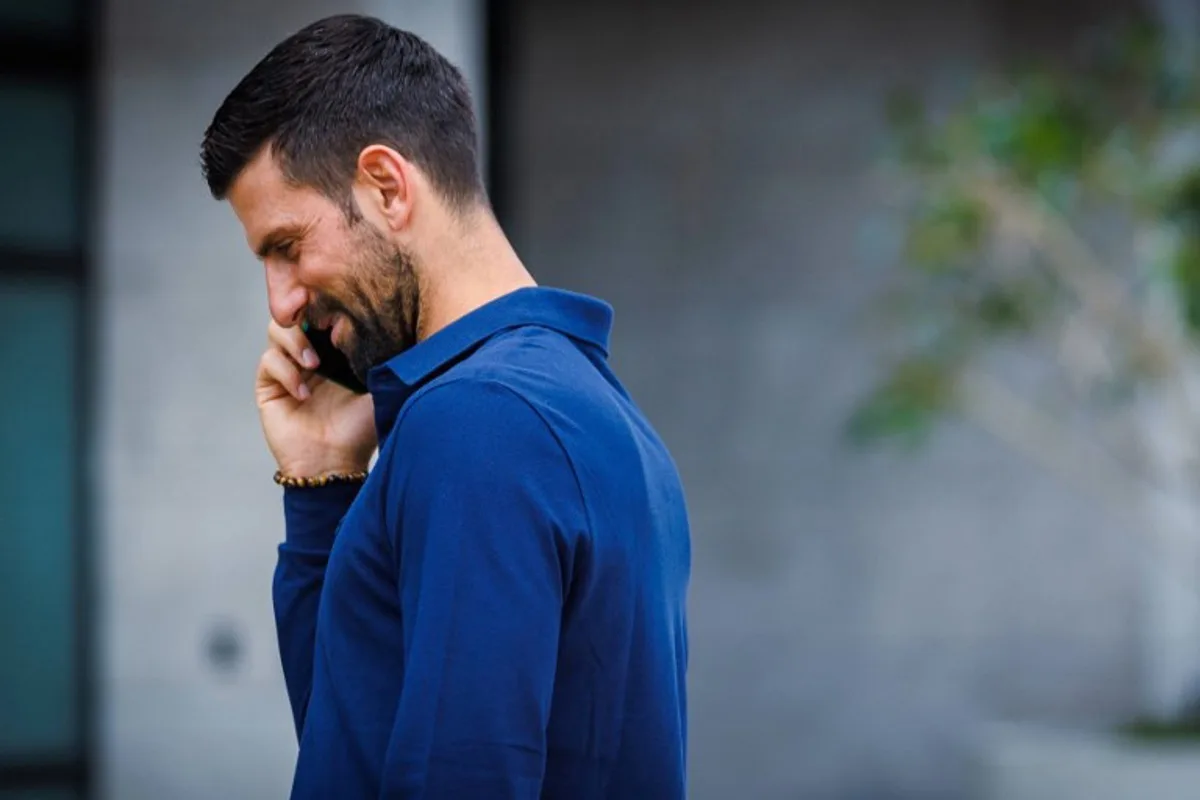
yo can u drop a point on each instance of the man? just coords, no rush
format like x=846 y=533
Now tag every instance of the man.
x=496 y=609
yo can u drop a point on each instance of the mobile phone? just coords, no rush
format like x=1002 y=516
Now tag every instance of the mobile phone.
x=334 y=364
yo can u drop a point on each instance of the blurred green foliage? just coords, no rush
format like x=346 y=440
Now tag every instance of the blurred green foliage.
x=1153 y=731
x=1096 y=131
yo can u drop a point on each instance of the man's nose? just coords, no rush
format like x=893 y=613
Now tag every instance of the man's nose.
x=286 y=297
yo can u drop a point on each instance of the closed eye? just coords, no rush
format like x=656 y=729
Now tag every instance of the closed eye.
x=282 y=244
x=288 y=251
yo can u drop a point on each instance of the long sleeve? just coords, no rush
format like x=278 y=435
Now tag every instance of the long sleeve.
x=487 y=514
x=311 y=518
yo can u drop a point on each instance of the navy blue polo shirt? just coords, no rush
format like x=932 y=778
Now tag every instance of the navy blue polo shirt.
x=499 y=611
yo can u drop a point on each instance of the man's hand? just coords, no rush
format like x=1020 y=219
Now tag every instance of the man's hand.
x=313 y=426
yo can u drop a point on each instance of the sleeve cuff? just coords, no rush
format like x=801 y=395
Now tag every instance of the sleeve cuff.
x=311 y=515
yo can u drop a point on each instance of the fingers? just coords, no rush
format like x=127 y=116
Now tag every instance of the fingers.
x=277 y=366
x=293 y=342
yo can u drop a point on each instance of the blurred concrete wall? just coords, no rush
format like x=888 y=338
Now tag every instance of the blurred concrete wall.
x=705 y=168
x=193 y=704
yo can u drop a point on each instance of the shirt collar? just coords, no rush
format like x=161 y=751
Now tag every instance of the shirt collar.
x=582 y=318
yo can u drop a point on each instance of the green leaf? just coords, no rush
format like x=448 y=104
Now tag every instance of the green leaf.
x=1186 y=274
x=946 y=234
x=1006 y=309
x=1053 y=133
x=1180 y=204
x=906 y=405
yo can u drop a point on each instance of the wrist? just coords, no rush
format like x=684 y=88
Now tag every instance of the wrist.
x=356 y=477
x=315 y=469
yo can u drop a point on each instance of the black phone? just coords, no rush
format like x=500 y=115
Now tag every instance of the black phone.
x=334 y=364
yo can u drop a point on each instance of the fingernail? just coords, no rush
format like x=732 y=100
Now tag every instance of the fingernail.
x=303 y=391
x=310 y=359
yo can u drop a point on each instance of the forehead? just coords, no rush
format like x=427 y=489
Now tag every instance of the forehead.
x=267 y=204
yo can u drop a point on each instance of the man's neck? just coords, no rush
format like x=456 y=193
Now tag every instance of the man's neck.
x=476 y=265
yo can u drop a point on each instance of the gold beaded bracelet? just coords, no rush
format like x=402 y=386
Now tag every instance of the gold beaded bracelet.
x=289 y=482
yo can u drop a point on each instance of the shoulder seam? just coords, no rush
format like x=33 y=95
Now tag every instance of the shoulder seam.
x=432 y=388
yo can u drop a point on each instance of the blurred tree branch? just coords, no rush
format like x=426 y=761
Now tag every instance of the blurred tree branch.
x=1051 y=249
x=995 y=194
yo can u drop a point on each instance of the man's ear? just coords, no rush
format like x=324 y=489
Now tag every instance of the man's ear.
x=383 y=185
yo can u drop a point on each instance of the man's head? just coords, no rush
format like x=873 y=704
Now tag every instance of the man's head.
x=346 y=153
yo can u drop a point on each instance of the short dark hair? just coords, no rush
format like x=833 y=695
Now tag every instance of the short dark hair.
x=339 y=85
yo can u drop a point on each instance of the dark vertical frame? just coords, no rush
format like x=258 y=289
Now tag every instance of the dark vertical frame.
x=68 y=59
x=87 y=150
x=499 y=53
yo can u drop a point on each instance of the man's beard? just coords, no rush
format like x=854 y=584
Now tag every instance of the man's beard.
x=380 y=302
